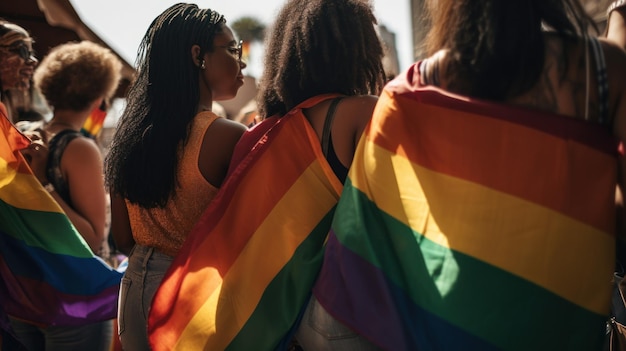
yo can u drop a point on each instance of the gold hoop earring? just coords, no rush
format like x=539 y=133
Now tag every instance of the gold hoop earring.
x=202 y=65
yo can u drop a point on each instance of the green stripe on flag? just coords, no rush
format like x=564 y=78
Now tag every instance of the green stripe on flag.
x=460 y=289
x=286 y=295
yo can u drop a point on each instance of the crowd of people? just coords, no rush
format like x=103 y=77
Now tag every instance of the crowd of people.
x=472 y=202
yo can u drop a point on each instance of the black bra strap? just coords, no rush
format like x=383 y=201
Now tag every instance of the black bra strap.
x=328 y=123
x=603 y=85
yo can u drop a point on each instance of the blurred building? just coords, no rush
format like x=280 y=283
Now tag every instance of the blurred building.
x=391 y=64
x=246 y=93
x=420 y=25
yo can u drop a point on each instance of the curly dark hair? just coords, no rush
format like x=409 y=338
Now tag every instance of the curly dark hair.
x=161 y=104
x=317 y=47
x=496 y=48
x=73 y=75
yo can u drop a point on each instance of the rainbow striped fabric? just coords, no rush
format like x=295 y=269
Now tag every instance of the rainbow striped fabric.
x=49 y=274
x=467 y=225
x=94 y=122
x=246 y=271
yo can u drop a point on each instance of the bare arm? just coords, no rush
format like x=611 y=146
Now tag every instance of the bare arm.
x=120 y=225
x=82 y=168
x=354 y=114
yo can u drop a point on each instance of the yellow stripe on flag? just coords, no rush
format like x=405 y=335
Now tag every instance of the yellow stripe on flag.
x=237 y=297
x=24 y=191
x=496 y=228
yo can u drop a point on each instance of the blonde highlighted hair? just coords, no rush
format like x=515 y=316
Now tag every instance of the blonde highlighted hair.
x=11 y=33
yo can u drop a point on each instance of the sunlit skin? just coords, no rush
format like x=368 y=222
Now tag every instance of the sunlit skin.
x=222 y=77
x=15 y=71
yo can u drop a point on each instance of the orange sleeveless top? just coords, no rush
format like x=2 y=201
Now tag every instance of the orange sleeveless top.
x=166 y=228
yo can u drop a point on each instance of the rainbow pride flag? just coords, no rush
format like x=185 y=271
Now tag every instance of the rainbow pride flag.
x=467 y=225
x=246 y=271
x=49 y=274
x=94 y=122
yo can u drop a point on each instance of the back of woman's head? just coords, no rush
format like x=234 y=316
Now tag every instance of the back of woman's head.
x=317 y=47
x=495 y=49
x=73 y=75
x=161 y=104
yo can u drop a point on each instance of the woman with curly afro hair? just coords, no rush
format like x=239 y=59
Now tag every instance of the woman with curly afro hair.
x=75 y=79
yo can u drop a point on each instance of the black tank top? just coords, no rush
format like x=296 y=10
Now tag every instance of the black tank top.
x=56 y=147
x=328 y=149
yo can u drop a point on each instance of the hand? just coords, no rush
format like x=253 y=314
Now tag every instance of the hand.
x=36 y=154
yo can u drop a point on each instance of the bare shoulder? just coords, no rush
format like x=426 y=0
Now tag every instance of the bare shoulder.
x=360 y=103
x=358 y=112
x=82 y=150
x=82 y=167
x=230 y=128
x=217 y=148
x=221 y=137
x=359 y=108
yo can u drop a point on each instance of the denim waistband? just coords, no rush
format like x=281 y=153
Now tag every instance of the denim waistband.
x=149 y=252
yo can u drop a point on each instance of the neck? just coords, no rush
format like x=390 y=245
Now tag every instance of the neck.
x=202 y=107
x=67 y=120
x=205 y=102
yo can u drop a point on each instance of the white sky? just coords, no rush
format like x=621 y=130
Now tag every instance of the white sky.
x=122 y=23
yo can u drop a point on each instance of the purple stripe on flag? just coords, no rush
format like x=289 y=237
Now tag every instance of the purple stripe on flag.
x=393 y=321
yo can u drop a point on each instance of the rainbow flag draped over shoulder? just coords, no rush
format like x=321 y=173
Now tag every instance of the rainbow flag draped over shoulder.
x=467 y=225
x=246 y=271
x=49 y=274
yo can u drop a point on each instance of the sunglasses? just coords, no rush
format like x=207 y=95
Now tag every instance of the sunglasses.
x=236 y=51
x=22 y=51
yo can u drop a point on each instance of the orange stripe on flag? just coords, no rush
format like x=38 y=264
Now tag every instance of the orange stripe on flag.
x=465 y=145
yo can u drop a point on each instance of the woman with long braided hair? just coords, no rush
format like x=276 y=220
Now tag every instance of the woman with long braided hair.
x=170 y=153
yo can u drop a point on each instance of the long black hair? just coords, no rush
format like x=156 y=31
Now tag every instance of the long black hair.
x=496 y=48
x=317 y=47
x=161 y=104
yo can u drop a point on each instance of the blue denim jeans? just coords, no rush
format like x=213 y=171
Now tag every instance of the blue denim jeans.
x=92 y=337
x=319 y=330
x=146 y=268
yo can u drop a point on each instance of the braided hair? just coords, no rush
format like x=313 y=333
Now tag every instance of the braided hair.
x=161 y=104
x=317 y=47
x=496 y=48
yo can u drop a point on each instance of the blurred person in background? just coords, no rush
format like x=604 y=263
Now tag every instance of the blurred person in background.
x=17 y=60
x=74 y=78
